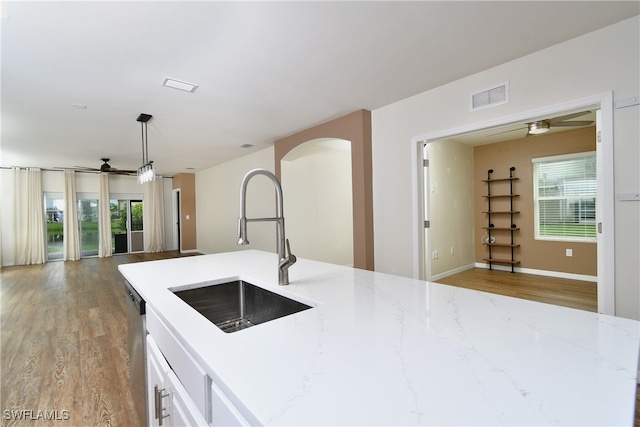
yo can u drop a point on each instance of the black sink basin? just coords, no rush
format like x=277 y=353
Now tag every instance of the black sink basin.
x=238 y=305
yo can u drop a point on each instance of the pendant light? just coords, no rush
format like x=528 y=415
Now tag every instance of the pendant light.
x=145 y=172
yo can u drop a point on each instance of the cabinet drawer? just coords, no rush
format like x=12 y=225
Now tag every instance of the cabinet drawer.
x=194 y=379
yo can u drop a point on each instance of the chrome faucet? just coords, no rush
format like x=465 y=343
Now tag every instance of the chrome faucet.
x=286 y=259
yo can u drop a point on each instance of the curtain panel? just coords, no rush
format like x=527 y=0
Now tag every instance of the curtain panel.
x=71 y=232
x=105 y=248
x=29 y=217
x=153 y=214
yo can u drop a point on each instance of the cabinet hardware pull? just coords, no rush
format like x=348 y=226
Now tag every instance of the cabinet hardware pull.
x=158 y=395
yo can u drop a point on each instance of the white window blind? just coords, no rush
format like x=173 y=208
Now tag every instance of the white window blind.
x=565 y=197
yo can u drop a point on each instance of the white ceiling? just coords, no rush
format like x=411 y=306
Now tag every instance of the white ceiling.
x=265 y=70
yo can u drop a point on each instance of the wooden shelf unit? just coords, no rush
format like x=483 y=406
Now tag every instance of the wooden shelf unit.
x=501 y=230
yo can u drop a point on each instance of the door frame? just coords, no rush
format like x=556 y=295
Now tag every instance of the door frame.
x=605 y=174
x=177 y=220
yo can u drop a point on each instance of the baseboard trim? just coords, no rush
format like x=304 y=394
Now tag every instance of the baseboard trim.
x=452 y=272
x=191 y=251
x=548 y=273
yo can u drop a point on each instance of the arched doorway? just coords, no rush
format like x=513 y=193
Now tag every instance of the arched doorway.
x=316 y=177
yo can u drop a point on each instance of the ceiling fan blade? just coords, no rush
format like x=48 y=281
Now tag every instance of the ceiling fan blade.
x=66 y=168
x=573 y=123
x=506 y=131
x=568 y=116
x=84 y=168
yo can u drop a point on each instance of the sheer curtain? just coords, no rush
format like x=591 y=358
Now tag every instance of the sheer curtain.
x=153 y=214
x=71 y=233
x=28 y=217
x=104 y=218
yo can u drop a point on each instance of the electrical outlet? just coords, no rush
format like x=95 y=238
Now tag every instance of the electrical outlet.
x=435 y=254
x=452 y=250
x=569 y=252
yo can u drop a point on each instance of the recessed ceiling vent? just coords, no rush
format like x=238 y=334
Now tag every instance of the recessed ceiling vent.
x=491 y=97
x=180 y=85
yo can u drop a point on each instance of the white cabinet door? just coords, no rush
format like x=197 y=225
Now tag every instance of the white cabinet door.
x=184 y=411
x=194 y=379
x=157 y=386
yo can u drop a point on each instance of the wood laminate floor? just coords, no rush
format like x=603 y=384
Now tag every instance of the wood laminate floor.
x=63 y=356
x=551 y=290
x=63 y=337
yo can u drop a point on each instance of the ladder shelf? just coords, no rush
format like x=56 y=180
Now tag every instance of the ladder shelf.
x=501 y=214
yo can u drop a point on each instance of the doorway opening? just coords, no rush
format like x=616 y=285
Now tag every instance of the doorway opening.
x=316 y=177
x=604 y=164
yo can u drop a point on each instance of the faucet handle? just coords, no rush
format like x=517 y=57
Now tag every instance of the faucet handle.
x=291 y=257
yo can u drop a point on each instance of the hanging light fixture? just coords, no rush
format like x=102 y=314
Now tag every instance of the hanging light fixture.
x=145 y=172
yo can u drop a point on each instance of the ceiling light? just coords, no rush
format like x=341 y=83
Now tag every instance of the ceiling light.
x=180 y=85
x=536 y=128
x=246 y=146
x=79 y=106
x=145 y=172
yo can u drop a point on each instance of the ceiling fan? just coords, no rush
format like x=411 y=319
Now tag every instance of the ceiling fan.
x=105 y=167
x=541 y=126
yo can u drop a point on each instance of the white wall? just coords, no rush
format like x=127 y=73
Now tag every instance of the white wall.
x=602 y=61
x=217 y=206
x=451 y=206
x=53 y=181
x=318 y=202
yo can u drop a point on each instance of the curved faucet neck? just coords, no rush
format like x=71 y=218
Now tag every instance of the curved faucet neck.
x=243 y=190
x=284 y=260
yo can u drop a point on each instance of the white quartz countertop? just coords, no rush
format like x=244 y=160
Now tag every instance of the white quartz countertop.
x=378 y=349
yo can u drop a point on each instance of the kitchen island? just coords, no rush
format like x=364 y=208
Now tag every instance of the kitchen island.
x=378 y=349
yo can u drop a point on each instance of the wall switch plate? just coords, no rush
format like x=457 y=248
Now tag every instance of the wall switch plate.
x=435 y=254
x=569 y=252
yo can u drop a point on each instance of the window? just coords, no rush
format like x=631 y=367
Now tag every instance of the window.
x=564 y=196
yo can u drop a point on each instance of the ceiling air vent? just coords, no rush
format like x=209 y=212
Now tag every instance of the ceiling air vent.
x=491 y=97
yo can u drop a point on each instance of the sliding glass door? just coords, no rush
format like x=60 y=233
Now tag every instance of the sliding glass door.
x=88 y=218
x=119 y=226
x=126 y=226
x=54 y=205
x=137 y=235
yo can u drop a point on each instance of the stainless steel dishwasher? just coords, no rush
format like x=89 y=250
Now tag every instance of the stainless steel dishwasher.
x=137 y=354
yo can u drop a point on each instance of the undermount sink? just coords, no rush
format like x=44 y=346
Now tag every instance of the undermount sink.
x=238 y=305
